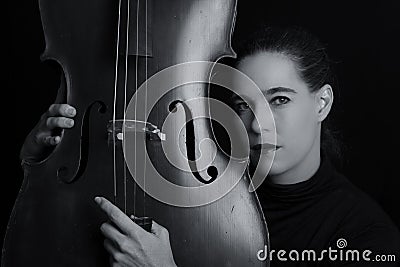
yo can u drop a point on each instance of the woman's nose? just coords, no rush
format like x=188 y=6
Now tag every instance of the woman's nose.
x=255 y=127
x=262 y=120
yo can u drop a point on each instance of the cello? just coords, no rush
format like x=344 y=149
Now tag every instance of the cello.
x=107 y=51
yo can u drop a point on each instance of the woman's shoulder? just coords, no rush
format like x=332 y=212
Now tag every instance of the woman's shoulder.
x=351 y=200
x=364 y=223
x=358 y=204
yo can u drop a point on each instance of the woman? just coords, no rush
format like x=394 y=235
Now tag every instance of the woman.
x=308 y=205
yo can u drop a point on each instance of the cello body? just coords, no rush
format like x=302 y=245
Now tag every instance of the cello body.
x=55 y=221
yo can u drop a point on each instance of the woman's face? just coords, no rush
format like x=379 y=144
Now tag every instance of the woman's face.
x=295 y=111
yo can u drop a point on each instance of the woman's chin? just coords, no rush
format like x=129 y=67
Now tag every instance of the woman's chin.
x=265 y=161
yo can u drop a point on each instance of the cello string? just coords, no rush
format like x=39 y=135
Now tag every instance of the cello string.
x=145 y=116
x=125 y=97
x=115 y=104
x=136 y=100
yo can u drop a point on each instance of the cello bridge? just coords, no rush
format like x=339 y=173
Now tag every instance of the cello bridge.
x=116 y=130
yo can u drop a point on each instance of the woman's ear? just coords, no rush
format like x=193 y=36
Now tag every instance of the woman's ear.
x=324 y=98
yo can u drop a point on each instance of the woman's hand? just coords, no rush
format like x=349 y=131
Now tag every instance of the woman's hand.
x=129 y=244
x=47 y=133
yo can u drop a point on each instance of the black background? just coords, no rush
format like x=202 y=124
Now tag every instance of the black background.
x=362 y=38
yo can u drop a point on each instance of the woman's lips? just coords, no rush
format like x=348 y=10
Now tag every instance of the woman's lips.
x=265 y=147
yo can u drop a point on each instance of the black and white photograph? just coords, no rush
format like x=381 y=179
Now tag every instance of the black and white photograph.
x=201 y=133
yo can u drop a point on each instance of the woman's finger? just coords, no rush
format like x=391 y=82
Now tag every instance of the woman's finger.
x=159 y=231
x=111 y=233
x=123 y=222
x=114 y=252
x=59 y=122
x=51 y=140
x=61 y=110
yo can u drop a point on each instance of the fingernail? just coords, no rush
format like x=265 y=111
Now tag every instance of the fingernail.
x=71 y=111
x=97 y=199
x=70 y=123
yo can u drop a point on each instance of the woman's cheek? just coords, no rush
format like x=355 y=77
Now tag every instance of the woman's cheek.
x=295 y=130
x=304 y=127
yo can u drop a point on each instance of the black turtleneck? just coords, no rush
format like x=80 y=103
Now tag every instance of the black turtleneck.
x=316 y=213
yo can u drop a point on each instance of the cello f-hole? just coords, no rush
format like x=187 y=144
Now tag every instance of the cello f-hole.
x=63 y=172
x=212 y=171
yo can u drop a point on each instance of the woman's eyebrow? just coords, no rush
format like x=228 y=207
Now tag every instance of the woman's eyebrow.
x=236 y=97
x=265 y=92
x=279 y=89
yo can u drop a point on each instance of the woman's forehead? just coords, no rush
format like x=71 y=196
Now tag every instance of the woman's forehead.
x=270 y=69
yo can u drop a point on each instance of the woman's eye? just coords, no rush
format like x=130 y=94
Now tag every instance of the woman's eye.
x=241 y=106
x=279 y=100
